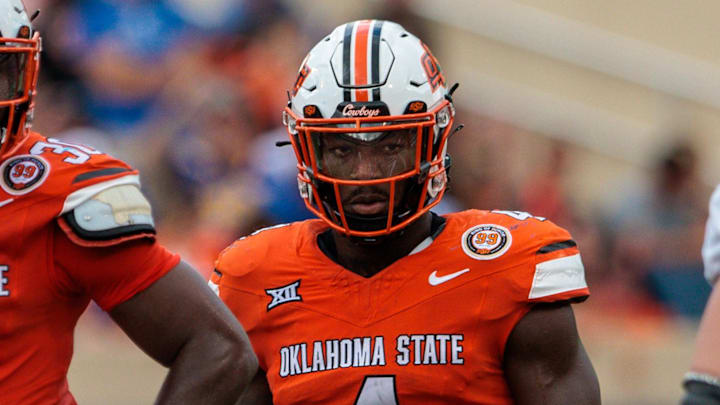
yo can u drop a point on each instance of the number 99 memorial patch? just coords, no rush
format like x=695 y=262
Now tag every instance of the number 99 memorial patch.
x=22 y=174
x=486 y=241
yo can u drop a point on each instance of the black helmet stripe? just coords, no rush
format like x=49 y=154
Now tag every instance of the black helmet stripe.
x=375 y=55
x=347 y=42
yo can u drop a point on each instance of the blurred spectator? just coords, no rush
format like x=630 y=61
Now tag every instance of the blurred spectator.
x=121 y=50
x=263 y=67
x=480 y=176
x=657 y=234
x=544 y=193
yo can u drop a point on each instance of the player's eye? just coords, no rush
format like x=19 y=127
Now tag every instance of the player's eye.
x=393 y=147
x=340 y=151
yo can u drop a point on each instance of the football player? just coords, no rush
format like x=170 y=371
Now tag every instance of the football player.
x=702 y=383
x=381 y=301
x=75 y=228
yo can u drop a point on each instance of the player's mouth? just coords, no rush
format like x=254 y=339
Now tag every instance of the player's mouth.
x=370 y=204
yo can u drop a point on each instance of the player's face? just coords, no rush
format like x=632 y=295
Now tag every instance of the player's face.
x=384 y=155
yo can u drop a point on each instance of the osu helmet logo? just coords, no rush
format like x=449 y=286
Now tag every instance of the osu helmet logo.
x=432 y=69
x=486 y=241
x=310 y=110
x=416 y=106
x=302 y=75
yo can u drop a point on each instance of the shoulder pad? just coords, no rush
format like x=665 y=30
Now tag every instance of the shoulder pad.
x=109 y=217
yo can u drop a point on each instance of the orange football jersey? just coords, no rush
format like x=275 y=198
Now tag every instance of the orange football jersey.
x=429 y=329
x=47 y=280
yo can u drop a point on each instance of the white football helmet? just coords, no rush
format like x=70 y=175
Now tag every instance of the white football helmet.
x=19 y=62
x=367 y=81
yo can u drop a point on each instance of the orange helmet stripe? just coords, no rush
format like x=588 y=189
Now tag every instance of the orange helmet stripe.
x=361 y=59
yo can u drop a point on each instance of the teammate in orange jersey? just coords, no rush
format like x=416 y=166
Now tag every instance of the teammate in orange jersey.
x=381 y=301
x=76 y=227
x=702 y=383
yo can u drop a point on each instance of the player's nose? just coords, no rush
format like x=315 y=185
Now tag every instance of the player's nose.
x=366 y=167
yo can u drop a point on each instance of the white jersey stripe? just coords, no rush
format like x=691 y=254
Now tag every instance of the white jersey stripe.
x=557 y=276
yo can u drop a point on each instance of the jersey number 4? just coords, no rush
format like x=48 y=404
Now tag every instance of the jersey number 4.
x=377 y=390
x=519 y=215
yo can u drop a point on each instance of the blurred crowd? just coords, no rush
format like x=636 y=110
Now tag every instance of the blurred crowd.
x=190 y=93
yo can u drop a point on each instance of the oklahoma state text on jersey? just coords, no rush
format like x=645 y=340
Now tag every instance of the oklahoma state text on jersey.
x=46 y=277
x=429 y=329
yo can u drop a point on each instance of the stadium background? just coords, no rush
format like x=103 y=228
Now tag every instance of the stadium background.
x=602 y=116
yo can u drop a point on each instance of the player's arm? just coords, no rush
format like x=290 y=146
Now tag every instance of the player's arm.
x=702 y=383
x=105 y=248
x=545 y=361
x=181 y=324
x=258 y=392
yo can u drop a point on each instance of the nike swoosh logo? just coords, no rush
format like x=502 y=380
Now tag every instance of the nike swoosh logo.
x=433 y=279
x=6 y=202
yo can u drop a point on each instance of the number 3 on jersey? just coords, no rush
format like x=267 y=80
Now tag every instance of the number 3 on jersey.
x=377 y=390
x=78 y=154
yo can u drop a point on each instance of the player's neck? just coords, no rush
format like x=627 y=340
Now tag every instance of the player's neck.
x=368 y=259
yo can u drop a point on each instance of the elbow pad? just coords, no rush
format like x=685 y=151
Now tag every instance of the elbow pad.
x=701 y=389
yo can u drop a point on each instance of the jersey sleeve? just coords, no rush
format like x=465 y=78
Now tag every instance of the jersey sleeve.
x=556 y=266
x=110 y=275
x=711 y=244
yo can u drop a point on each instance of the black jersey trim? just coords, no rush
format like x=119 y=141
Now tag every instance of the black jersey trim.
x=100 y=173
x=557 y=246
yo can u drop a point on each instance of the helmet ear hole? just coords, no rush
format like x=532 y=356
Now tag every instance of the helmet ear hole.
x=437 y=184
x=305 y=190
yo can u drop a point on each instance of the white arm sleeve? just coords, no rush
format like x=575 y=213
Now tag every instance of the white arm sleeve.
x=711 y=245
